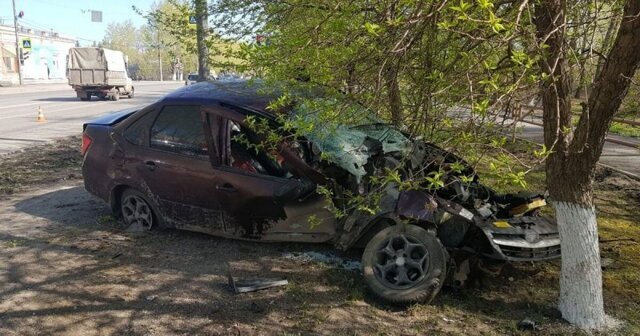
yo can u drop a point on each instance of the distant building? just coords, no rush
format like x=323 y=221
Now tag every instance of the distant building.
x=46 y=61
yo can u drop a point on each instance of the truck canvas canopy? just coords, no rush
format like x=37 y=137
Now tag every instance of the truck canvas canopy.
x=96 y=58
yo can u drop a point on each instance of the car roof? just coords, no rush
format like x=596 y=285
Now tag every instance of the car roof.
x=248 y=94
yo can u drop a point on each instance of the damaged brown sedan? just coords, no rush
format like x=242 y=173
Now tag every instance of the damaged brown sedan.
x=192 y=161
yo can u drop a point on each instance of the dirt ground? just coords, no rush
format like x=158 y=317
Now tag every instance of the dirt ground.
x=68 y=268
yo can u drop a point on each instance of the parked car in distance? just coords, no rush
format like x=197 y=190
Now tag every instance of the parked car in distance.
x=188 y=161
x=192 y=78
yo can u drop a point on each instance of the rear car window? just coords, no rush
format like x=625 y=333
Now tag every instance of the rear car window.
x=179 y=129
x=137 y=132
x=192 y=77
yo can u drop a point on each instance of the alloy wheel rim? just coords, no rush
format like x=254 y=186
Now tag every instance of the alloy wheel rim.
x=136 y=211
x=401 y=262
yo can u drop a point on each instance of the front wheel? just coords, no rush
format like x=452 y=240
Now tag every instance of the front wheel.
x=404 y=264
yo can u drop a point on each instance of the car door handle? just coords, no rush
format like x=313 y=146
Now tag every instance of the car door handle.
x=226 y=187
x=150 y=165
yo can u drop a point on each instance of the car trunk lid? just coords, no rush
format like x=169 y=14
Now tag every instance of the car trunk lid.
x=111 y=118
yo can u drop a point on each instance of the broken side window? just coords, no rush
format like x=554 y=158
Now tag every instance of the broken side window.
x=247 y=152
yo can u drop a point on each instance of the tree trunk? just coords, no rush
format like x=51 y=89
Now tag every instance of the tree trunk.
x=581 y=300
x=581 y=85
x=202 y=19
x=606 y=43
x=571 y=165
x=393 y=95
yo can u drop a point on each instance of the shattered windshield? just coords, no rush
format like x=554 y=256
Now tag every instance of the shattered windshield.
x=353 y=135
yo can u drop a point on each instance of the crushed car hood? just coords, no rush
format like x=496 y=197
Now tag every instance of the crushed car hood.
x=351 y=146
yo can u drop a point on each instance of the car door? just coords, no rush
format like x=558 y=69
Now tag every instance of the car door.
x=176 y=170
x=259 y=203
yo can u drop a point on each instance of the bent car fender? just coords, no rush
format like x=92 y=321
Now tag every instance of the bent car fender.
x=417 y=205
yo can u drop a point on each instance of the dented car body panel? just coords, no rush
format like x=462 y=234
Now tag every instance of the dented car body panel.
x=182 y=152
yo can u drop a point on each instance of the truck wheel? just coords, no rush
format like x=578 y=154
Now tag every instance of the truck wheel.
x=83 y=95
x=404 y=264
x=115 y=96
x=131 y=94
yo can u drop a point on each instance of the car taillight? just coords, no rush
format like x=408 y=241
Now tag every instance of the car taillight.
x=86 y=142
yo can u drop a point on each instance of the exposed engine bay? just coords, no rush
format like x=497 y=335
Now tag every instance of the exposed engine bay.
x=466 y=215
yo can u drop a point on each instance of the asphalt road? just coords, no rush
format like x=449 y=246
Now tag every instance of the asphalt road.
x=64 y=112
x=623 y=158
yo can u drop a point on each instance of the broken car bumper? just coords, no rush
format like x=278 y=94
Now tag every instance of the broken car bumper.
x=523 y=239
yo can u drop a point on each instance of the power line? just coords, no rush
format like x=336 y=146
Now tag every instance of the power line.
x=38 y=26
x=83 y=10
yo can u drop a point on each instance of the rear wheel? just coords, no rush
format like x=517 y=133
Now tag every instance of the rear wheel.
x=137 y=210
x=404 y=264
x=132 y=93
x=115 y=96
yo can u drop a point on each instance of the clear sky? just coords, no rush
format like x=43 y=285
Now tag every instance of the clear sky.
x=67 y=18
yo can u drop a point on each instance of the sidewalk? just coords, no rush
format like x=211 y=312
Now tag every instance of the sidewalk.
x=618 y=152
x=620 y=157
x=35 y=86
x=30 y=88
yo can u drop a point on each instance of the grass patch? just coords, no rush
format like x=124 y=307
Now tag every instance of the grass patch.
x=107 y=219
x=624 y=129
x=13 y=243
x=36 y=165
x=617 y=200
x=616 y=127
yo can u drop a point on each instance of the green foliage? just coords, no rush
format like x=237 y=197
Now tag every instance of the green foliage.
x=625 y=129
x=440 y=72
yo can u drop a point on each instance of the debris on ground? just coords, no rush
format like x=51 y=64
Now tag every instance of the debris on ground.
x=245 y=285
x=606 y=262
x=527 y=324
x=325 y=258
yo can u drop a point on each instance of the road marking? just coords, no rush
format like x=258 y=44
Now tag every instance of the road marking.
x=23 y=140
x=46 y=110
x=19 y=105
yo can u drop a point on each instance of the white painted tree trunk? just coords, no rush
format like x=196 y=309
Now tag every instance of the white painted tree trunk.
x=581 y=300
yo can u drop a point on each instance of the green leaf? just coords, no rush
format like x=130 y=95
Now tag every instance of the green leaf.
x=485 y=4
x=372 y=28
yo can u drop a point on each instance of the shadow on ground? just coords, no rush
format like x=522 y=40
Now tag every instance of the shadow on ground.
x=70 y=268
x=62 y=99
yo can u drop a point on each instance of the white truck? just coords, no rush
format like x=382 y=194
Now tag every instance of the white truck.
x=99 y=72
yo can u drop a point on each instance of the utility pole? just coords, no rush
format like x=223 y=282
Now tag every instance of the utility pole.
x=159 y=56
x=202 y=29
x=15 y=25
